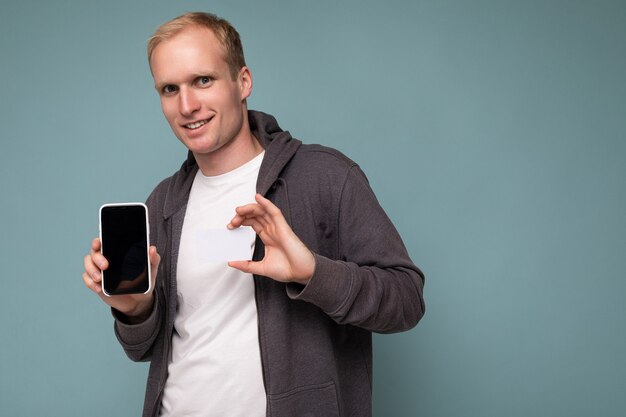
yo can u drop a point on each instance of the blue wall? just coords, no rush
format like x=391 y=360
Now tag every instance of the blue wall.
x=494 y=133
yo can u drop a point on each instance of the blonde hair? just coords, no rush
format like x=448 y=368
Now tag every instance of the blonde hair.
x=225 y=33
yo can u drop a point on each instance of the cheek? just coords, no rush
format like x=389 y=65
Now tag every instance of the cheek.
x=168 y=111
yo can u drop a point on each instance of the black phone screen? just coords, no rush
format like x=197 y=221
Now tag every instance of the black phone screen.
x=125 y=246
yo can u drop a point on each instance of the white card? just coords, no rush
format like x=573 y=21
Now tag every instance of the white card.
x=223 y=245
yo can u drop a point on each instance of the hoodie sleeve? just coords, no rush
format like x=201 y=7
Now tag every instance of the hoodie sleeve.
x=137 y=339
x=374 y=284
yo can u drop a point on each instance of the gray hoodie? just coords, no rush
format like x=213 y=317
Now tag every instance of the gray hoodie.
x=315 y=340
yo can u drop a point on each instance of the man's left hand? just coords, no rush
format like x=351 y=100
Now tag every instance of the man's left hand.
x=286 y=259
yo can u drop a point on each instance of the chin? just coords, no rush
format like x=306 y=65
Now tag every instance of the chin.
x=203 y=148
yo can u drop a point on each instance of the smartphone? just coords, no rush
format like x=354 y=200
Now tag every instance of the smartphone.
x=124 y=235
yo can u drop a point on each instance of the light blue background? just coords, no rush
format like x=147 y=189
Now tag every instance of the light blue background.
x=493 y=132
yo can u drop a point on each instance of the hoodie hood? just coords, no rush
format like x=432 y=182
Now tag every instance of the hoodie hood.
x=279 y=147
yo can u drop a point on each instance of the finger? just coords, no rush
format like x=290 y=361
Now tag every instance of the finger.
x=92 y=269
x=240 y=215
x=268 y=206
x=256 y=225
x=99 y=261
x=273 y=213
x=90 y=283
x=155 y=258
x=236 y=221
x=252 y=211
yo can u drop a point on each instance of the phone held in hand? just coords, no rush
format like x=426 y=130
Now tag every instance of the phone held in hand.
x=124 y=235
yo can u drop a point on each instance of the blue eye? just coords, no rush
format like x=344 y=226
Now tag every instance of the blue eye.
x=204 y=80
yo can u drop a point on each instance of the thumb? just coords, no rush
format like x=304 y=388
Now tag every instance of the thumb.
x=155 y=260
x=250 y=267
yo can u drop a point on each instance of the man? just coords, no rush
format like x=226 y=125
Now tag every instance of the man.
x=288 y=333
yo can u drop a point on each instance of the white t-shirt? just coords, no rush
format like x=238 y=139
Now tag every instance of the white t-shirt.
x=215 y=363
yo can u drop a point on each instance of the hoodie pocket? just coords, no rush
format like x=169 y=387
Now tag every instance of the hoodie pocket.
x=308 y=401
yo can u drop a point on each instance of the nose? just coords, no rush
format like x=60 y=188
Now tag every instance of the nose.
x=189 y=103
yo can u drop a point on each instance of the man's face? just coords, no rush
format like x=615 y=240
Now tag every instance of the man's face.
x=203 y=105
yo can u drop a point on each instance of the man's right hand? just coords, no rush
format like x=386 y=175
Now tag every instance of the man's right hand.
x=136 y=307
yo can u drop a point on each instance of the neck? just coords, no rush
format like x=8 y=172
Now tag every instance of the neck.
x=232 y=155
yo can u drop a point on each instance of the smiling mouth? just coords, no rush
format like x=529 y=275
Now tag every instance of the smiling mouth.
x=196 y=125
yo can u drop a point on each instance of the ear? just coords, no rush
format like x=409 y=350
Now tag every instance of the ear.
x=244 y=79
